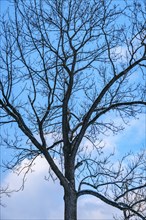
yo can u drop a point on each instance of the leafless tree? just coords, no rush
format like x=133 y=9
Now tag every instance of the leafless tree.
x=66 y=65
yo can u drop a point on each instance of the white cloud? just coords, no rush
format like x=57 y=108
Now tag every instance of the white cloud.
x=39 y=198
x=120 y=52
x=42 y=199
x=93 y=208
x=131 y=138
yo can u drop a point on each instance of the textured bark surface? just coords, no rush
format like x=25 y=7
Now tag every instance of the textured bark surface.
x=70 y=205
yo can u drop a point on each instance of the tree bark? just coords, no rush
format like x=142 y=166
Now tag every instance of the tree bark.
x=70 y=205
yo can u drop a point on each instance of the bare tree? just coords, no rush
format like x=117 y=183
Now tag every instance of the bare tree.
x=65 y=66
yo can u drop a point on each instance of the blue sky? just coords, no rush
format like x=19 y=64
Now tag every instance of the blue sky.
x=41 y=199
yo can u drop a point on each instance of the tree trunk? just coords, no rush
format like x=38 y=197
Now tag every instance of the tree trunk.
x=70 y=205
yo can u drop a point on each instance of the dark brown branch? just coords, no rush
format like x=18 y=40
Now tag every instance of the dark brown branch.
x=121 y=206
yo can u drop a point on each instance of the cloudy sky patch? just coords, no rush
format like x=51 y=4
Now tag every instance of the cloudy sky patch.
x=42 y=199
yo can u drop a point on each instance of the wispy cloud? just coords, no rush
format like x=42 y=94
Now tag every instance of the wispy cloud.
x=42 y=199
x=132 y=138
x=92 y=208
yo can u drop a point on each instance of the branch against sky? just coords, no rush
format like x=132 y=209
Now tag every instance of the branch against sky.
x=65 y=65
